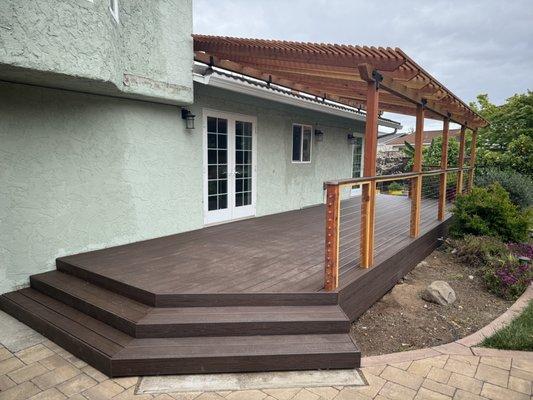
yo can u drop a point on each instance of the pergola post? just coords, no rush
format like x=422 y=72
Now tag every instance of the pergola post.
x=443 y=165
x=461 y=161
x=368 y=198
x=473 y=150
x=416 y=192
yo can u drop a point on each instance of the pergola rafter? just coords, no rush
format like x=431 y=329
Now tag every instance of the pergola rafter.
x=332 y=71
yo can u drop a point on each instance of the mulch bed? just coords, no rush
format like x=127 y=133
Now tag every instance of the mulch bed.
x=402 y=321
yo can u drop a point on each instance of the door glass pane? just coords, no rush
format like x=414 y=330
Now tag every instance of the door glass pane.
x=306 y=145
x=357 y=157
x=217 y=163
x=296 y=142
x=243 y=163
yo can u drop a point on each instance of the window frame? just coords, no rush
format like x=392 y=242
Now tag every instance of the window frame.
x=301 y=161
x=113 y=9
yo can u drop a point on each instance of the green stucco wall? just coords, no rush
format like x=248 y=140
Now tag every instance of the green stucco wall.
x=281 y=184
x=81 y=172
x=78 y=45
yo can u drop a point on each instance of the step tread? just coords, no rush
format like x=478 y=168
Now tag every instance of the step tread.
x=94 y=295
x=229 y=346
x=188 y=315
x=96 y=334
x=141 y=315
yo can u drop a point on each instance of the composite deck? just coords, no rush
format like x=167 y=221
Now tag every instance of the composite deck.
x=243 y=296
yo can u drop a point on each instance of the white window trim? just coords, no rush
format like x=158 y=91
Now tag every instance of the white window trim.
x=113 y=9
x=302 y=144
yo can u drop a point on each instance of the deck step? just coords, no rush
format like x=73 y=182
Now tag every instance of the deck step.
x=117 y=354
x=142 y=321
x=237 y=354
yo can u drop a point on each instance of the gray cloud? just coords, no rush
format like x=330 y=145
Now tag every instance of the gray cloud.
x=472 y=47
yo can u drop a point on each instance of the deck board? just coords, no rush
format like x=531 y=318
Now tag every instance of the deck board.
x=280 y=253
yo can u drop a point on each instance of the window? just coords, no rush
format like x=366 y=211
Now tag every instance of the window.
x=301 y=143
x=113 y=7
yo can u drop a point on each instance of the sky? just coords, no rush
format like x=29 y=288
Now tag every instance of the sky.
x=471 y=47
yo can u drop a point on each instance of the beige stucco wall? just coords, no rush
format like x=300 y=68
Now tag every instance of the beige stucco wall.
x=81 y=172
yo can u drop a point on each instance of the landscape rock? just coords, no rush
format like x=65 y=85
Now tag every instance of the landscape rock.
x=439 y=292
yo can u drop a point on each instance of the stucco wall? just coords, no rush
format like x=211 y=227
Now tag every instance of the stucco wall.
x=78 y=45
x=81 y=172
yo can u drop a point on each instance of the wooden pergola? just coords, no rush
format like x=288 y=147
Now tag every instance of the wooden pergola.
x=375 y=79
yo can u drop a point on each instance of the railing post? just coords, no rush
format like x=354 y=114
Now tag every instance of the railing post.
x=461 y=161
x=416 y=183
x=473 y=150
x=443 y=165
x=368 y=198
x=331 y=273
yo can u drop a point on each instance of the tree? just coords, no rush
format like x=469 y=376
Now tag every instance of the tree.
x=431 y=155
x=507 y=143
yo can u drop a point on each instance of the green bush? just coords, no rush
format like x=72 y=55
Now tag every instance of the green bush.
x=394 y=186
x=480 y=251
x=489 y=212
x=508 y=278
x=519 y=186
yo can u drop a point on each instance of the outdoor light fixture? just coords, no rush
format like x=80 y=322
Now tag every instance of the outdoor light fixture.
x=351 y=138
x=319 y=135
x=188 y=117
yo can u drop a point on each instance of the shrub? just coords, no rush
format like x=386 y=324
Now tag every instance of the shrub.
x=395 y=186
x=519 y=186
x=489 y=212
x=480 y=251
x=508 y=278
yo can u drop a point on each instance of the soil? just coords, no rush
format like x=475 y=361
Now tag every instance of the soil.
x=402 y=321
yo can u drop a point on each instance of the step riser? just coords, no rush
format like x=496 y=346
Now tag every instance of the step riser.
x=294 y=362
x=141 y=330
x=242 y=329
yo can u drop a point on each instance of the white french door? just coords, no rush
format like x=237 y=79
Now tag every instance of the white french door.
x=229 y=166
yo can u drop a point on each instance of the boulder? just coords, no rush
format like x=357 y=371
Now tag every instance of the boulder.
x=439 y=292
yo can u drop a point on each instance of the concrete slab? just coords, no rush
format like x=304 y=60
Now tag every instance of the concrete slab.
x=16 y=336
x=249 y=381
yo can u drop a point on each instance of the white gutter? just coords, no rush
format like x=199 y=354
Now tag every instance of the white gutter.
x=235 y=85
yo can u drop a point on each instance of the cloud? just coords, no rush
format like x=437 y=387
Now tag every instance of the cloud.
x=472 y=47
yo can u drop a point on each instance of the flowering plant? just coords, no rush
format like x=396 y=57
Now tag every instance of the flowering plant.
x=508 y=278
x=521 y=249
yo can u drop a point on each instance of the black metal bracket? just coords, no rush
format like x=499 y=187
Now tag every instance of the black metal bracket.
x=269 y=80
x=424 y=103
x=377 y=77
x=449 y=115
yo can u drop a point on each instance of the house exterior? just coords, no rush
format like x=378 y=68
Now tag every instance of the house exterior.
x=95 y=151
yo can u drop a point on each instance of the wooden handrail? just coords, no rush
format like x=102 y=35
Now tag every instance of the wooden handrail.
x=385 y=178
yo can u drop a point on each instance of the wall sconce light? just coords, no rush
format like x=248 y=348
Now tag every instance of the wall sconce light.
x=188 y=117
x=351 y=138
x=319 y=135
